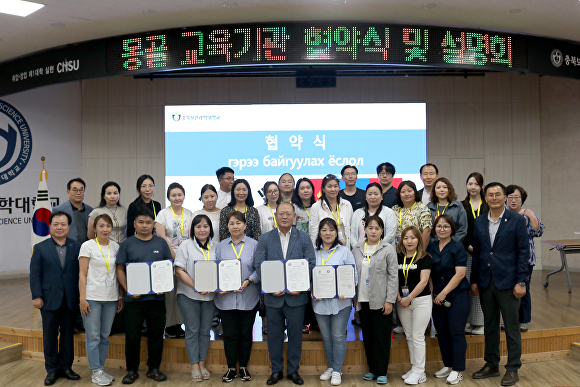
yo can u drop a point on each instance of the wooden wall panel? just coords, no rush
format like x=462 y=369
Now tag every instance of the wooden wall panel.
x=278 y=90
x=150 y=92
x=95 y=174
x=246 y=90
x=525 y=88
x=213 y=91
x=469 y=89
x=469 y=129
x=347 y=90
x=497 y=128
x=150 y=133
x=410 y=89
x=95 y=92
x=460 y=169
x=95 y=133
x=526 y=126
x=439 y=90
x=497 y=87
x=122 y=91
x=181 y=91
x=440 y=129
x=376 y=89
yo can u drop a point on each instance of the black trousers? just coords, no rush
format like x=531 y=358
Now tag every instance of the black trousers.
x=237 y=328
x=58 y=352
x=153 y=312
x=376 y=329
x=294 y=316
x=526 y=301
x=494 y=301
x=450 y=323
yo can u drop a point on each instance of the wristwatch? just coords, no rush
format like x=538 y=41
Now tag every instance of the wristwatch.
x=522 y=284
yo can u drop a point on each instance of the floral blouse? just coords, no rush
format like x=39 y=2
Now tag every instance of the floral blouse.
x=531 y=235
x=418 y=215
x=253 y=229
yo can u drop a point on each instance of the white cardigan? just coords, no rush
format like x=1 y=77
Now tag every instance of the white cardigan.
x=320 y=210
x=389 y=219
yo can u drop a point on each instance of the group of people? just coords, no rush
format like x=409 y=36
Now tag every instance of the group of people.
x=419 y=254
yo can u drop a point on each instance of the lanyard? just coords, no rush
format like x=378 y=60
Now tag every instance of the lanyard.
x=153 y=205
x=245 y=212
x=235 y=252
x=207 y=258
x=443 y=209
x=367 y=253
x=307 y=213
x=406 y=274
x=478 y=208
x=337 y=217
x=327 y=258
x=107 y=263
x=401 y=215
x=273 y=216
x=180 y=224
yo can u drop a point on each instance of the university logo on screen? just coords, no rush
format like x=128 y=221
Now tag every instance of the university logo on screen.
x=15 y=143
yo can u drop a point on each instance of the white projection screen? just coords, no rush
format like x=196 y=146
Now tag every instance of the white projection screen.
x=261 y=142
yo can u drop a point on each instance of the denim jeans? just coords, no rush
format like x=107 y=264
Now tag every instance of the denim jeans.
x=97 y=328
x=333 y=331
x=198 y=317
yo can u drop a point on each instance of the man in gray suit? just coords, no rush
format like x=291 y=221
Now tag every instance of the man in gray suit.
x=78 y=211
x=284 y=243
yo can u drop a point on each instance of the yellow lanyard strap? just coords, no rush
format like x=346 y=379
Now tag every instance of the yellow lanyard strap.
x=406 y=273
x=307 y=213
x=367 y=253
x=273 y=216
x=401 y=215
x=235 y=252
x=443 y=209
x=180 y=224
x=207 y=258
x=107 y=263
x=337 y=216
x=478 y=208
x=327 y=258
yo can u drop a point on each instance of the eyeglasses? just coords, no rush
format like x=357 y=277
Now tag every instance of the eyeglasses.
x=284 y=214
x=443 y=227
x=385 y=174
x=349 y=174
x=513 y=198
x=272 y=192
x=78 y=190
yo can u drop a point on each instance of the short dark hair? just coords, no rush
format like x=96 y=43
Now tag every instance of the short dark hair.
x=326 y=222
x=75 y=180
x=174 y=186
x=296 y=198
x=197 y=220
x=222 y=171
x=265 y=189
x=451 y=195
x=495 y=184
x=375 y=218
x=448 y=219
x=140 y=181
x=207 y=187
x=387 y=167
x=236 y=214
x=429 y=165
x=249 y=199
x=346 y=167
x=144 y=212
x=411 y=185
x=108 y=184
x=510 y=189
x=105 y=217
x=366 y=205
x=60 y=213
x=290 y=204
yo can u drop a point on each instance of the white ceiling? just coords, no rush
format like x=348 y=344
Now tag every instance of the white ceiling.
x=82 y=20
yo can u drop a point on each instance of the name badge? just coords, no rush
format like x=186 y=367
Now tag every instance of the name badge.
x=368 y=281
x=340 y=236
x=108 y=282
x=405 y=291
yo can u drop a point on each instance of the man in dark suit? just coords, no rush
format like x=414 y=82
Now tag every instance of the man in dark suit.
x=500 y=256
x=284 y=243
x=54 y=283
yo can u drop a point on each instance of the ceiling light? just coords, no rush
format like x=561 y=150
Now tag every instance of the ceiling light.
x=57 y=25
x=429 y=6
x=19 y=7
x=338 y=2
x=148 y=12
x=515 y=10
x=230 y=4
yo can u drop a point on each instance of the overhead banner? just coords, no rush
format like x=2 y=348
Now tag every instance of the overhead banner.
x=44 y=122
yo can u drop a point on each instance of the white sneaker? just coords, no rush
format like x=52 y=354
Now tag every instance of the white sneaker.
x=405 y=376
x=416 y=379
x=108 y=375
x=468 y=329
x=327 y=374
x=336 y=378
x=399 y=330
x=479 y=330
x=100 y=379
x=454 y=377
x=443 y=372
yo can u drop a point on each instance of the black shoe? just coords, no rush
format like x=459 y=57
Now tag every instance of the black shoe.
x=510 y=378
x=50 y=379
x=229 y=376
x=273 y=379
x=486 y=372
x=296 y=379
x=130 y=377
x=156 y=375
x=70 y=375
x=245 y=375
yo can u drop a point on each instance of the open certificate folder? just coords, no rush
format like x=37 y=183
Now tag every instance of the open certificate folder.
x=206 y=276
x=333 y=281
x=149 y=277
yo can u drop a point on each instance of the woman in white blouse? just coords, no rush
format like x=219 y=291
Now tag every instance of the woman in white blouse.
x=197 y=308
x=99 y=295
x=332 y=206
x=373 y=206
x=268 y=209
